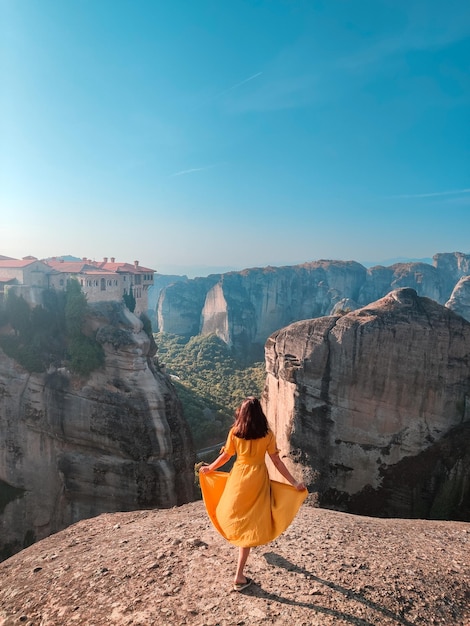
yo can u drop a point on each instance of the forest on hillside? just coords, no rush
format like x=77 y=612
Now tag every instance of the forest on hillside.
x=210 y=381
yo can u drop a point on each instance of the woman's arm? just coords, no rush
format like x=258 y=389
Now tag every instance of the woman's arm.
x=220 y=460
x=280 y=466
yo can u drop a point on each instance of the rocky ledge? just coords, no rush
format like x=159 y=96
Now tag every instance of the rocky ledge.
x=170 y=567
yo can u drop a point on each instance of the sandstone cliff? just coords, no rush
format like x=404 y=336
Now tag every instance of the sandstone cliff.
x=377 y=402
x=73 y=448
x=244 y=308
x=160 y=281
x=459 y=300
x=170 y=568
x=452 y=266
x=179 y=312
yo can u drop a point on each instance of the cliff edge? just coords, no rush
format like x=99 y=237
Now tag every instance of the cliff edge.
x=170 y=567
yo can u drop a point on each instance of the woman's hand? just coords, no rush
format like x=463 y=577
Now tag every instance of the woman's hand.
x=220 y=460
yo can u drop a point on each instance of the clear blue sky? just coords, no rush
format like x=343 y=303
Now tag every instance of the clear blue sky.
x=234 y=133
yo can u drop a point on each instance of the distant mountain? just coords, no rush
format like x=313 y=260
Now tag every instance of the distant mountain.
x=243 y=308
x=200 y=271
x=399 y=259
x=193 y=271
x=65 y=257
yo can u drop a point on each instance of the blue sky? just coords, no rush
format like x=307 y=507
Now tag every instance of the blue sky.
x=203 y=134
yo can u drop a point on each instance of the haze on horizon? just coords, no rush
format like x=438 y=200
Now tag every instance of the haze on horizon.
x=232 y=135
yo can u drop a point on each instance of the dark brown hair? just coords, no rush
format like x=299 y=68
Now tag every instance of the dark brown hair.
x=250 y=420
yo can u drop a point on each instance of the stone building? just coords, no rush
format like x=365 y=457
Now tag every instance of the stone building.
x=97 y=284
x=27 y=276
x=134 y=275
x=100 y=280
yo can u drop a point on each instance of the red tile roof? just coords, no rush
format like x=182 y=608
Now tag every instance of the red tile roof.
x=75 y=267
x=16 y=263
x=129 y=268
x=68 y=267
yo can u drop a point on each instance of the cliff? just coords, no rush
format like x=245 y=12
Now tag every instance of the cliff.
x=160 y=281
x=459 y=300
x=377 y=403
x=244 y=308
x=170 y=567
x=180 y=304
x=72 y=448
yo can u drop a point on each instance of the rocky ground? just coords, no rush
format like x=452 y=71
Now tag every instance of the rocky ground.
x=170 y=567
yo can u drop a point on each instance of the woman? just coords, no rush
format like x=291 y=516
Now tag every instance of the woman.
x=245 y=506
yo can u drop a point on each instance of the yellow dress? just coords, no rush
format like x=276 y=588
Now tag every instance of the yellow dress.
x=245 y=506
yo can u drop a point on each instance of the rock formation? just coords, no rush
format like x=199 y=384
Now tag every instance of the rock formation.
x=244 y=308
x=377 y=402
x=452 y=266
x=425 y=279
x=459 y=300
x=71 y=448
x=179 y=312
x=160 y=281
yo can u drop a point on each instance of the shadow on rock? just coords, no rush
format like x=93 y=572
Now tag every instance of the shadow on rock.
x=278 y=561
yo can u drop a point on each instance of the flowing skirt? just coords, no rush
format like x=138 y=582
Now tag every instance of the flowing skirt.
x=246 y=507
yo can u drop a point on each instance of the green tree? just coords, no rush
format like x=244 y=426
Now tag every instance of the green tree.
x=19 y=313
x=75 y=308
x=129 y=300
x=85 y=353
x=147 y=325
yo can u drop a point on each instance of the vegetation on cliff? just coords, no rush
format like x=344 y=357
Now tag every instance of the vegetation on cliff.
x=84 y=352
x=51 y=333
x=210 y=382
